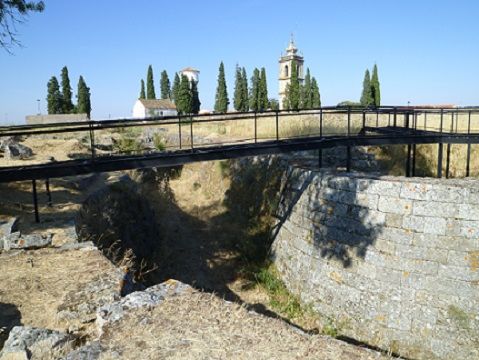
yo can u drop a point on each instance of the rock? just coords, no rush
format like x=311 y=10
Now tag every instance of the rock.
x=6 y=141
x=104 y=143
x=7 y=228
x=90 y=351
x=79 y=306
x=152 y=296
x=15 y=151
x=25 y=342
x=31 y=241
x=84 y=246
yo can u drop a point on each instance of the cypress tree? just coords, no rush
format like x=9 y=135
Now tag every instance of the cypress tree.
x=254 y=91
x=306 y=92
x=245 y=90
x=263 y=91
x=83 y=97
x=176 y=88
x=142 y=90
x=294 y=93
x=66 y=92
x=238 y=94
x=150 y=85
x=54 y=97
x=195 y=99
x=315 y=95
x=165 y=85
x=375 y=88
x=221 y=98
x=183 y=104
x=366 y=99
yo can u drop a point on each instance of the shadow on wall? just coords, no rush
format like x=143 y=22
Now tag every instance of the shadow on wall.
x=10 y=317
x=336 y=211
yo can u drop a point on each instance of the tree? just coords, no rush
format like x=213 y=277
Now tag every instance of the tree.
x=165 y=85
x=366 y=98
x=83 y=98
x=254 y=91
x=315 y=95
x=176 y=88
x=67 y=104
x=306 y=93
x=375 y=88
x=150 y=84
x=183 y=102
x=263 y=91
x=221 y=98
x=142 y=90
x=13 y=12
x=273 y=104
x=238 y=93
x=195 y=99
x=293 y=89
x=245 y=90
x=54 y=97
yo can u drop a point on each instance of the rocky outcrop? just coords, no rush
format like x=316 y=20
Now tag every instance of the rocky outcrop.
x=12 y=239
x=17 y=151
x=25 y=342
x=152 y=296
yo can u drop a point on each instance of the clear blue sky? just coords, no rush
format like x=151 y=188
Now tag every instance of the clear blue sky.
x=427 y=51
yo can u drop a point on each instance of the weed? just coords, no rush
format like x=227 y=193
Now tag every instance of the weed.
x=158 y=142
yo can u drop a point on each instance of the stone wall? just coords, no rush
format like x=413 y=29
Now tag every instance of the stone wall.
x=54 y=119
x=392 y=262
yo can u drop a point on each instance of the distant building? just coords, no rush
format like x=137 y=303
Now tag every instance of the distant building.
x=191 y=73
x=55 y=118
x=285 y=65
x=144 y=108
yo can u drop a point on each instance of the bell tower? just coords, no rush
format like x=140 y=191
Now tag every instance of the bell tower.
x=285 y=66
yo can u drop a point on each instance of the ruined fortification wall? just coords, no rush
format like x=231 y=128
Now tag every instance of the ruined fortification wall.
x=391 y=261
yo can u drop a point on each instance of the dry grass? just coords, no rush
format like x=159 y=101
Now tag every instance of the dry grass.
x=216 y=330
x=37 y=281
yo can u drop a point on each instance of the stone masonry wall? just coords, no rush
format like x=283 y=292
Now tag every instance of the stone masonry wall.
x=393 y=262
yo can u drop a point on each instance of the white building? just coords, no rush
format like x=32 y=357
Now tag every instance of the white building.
x=285 y=64
x=191 y=73
x=144 y=108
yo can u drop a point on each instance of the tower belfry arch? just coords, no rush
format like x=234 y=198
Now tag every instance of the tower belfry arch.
x=285 y=67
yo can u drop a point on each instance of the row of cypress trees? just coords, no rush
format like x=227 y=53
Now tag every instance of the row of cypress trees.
x=183 y=93
x=60 y=101
x=371 y=94
x=301 y=96
x=255 y=98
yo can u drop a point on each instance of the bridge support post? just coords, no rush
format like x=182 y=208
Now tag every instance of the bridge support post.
x=35 y=200
x=49 y=194
x=413 y=160
x=439 y=161
x=468 y=159
x=191 y=131
x=395 y=117
x=448 y=157
x=348 y=158
x=408 y=160
x=179 y=129
x=277 y=125
x=255 y=129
